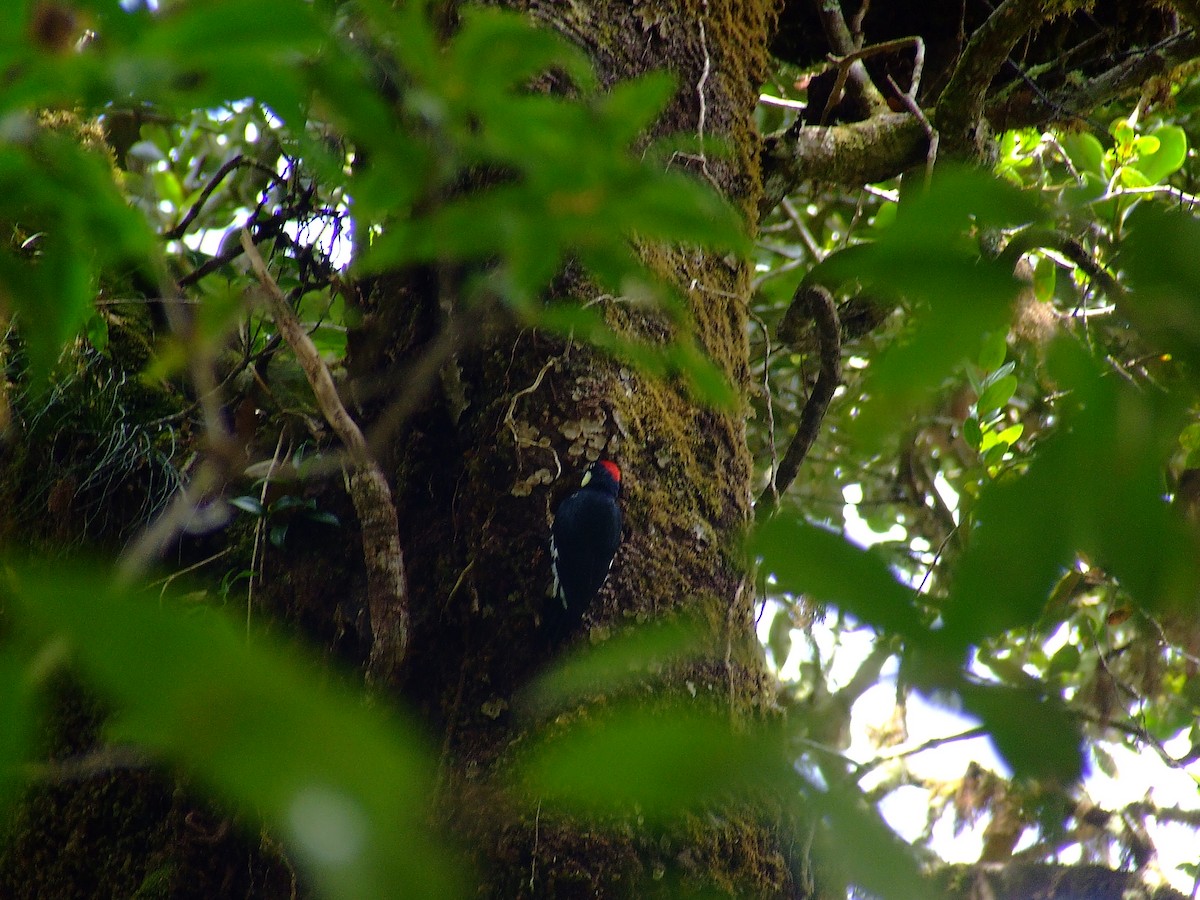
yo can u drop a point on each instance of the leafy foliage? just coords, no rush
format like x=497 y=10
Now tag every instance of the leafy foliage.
x=1029 y=437
x=260 y=727
x=1017 y=451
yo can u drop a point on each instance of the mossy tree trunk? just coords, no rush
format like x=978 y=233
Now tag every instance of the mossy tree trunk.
x=516 y=416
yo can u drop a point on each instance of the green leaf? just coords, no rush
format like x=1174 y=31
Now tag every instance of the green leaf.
x=1122 y=131
x=993 y=455
x=704 y=378
x=661 y=761
x=1085 y=152
x=630 y=107
x=1158 y=254
x=1002 y=372
x=96 y=329
x=65 y=196
x=865 y=850
x=622 y=660
x=1095 y=486
x=1011 y=434
x=1168 y=159
x=1065 y=661
x=996 y=395
x=707 y=382
x=1146 y=145
x=972 y=433
x=956 y=296
x=823 y=565
x=1012 y=715
x=1045 y=274
x=344 y=787
x=278 y=534
x=224 y=29
x=248 y=504
x=993 y=351
x=1189 y=438
x=510 y=50
x=1130 y=177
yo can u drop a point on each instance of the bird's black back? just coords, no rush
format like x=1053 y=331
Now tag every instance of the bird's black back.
x=586 y=534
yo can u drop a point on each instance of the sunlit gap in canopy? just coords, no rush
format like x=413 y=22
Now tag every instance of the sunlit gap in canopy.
x=332 y=235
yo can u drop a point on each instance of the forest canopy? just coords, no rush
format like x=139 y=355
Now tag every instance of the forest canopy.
x=314 y=312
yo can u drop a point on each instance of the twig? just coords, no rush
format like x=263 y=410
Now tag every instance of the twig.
x=1175 y=193
x=848 y=56
x=782 y=102
x=179 y=230
x=415 y=380
x=387 y=589
x=509 y=419
x=930 y=132
x=819 y=304
x=1129 y=75
x=260 y=530
x=932 y=743
x=1034 y=238
x=816 y=252
x=87 y=765
x=165 y=583
x=537 y=821
x=703 y=114
x=770 y=404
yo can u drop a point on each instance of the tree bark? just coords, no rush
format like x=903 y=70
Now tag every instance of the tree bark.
x=515 y=417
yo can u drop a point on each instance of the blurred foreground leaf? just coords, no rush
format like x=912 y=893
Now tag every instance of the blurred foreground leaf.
x=864 y=850
x=1033 y=731
x=345 y=788
x=55 y=198
x=807 y=559
x=620 y=661
x=1159 y=254
x=663 y=762
x=1096 y=487
x=929 y=258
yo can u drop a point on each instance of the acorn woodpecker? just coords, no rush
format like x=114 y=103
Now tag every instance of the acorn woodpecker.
x=583 y=541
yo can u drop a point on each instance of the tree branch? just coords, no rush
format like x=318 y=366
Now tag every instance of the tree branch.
x=858 y=153
x=1034 y=238
x=1078 y=99
x=387 y=589
x=959 y=110
x=819 y=304
x=849 y=63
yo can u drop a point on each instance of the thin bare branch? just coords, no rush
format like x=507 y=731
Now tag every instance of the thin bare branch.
x=819 y=304
x=1080 y=98
x=235 y=162
x=850 y=67
x=387 y=588
x=1034 y=238
x=931 y=744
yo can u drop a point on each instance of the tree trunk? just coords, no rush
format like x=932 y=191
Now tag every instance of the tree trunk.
x=515 y=417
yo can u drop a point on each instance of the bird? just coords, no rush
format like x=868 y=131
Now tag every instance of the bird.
x=584 y=538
